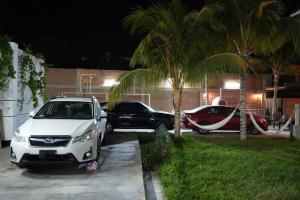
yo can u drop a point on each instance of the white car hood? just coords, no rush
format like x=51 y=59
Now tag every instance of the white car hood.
x=55 y=127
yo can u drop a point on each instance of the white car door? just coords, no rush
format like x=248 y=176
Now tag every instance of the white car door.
x=101 y=122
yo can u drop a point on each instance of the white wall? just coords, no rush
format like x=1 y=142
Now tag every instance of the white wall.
x=15 y=98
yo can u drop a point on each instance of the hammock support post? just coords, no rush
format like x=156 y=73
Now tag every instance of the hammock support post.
x=296 y=127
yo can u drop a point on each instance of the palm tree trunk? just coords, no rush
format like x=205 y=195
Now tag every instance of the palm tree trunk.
x=206 y=90
x=177 y=96
x=274 y=102
x=243 y=123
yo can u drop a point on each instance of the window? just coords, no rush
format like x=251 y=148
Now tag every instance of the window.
x=65 y=110
x=133 y=108
x=214 y=111
x=225 y=111
x=230 y=110
x=136 y=108
x=121 y=108
x=220 y=111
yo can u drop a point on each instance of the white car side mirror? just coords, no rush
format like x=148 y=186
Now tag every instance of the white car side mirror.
x=31 y=114
x=103 y=114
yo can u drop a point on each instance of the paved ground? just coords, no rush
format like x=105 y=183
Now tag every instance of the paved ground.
x=153 y=187
x=272 y=132
x=119 y=177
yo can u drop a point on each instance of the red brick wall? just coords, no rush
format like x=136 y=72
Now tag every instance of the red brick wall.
x=288 y=106
x=67 y=81
x=60 y=76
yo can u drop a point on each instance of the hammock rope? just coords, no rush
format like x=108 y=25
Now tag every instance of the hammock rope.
x=215 y=126
x=222 y=123
x=266 y=132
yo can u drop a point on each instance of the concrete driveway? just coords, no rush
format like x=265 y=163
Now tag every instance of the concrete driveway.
x=119 y=176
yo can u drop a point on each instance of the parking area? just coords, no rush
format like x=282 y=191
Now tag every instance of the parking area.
x=119 y=176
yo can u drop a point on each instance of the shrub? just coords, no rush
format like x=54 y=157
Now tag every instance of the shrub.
x=155 y=149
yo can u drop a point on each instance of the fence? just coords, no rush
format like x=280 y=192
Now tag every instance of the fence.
x=145 y=98
x=15 y=97
x=1 y=128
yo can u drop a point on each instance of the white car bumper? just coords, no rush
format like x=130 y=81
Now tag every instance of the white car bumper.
x=25 y=153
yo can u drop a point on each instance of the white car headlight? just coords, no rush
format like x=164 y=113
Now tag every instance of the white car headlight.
x=18 y=137
x=85 y=137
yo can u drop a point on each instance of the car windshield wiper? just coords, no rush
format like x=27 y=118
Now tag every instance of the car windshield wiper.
x=57 y=117
x=40 y=117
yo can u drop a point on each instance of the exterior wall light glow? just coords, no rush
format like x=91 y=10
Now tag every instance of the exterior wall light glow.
x=257 y=96
x=109 y=82
x=232 y=85
x=167 y=83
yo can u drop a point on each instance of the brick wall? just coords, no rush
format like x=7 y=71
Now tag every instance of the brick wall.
x=288 y=105
x=72 y=82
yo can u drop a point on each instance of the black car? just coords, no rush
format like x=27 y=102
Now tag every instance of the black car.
x=138 y=115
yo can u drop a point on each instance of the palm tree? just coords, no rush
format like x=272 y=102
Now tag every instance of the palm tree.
x=280 y=62
x=248 y=25
x=177 y=47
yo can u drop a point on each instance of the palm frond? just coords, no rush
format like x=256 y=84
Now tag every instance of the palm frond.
x=141 y=77
x=216 y=64
x=143 y=20
x=225 y=62
x=200 y=24
x=196 y=17
x=271 y=9
x=292 y=28
x=151 y=49
x=271 y=43
x=292 y=70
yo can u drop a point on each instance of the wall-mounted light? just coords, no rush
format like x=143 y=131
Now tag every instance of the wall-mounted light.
x=257 y=96
x=109 y=82
x=232 y=85
x=258 y=99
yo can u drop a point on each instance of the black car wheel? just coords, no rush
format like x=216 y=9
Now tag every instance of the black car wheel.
x=98 y=149
x=21 y=165
x=252 y=130
x=202 y=131
x=109 y=128
x=161 y=126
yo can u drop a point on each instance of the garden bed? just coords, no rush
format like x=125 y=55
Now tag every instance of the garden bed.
x=226 y=168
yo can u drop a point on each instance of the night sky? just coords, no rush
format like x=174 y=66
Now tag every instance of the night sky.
x=75 y=34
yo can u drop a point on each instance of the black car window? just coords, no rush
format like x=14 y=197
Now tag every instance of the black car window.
x=136 y=108
x=220 y=111
x=120 y=108
x=230 y=110
x=214 y=111
x=237 y=113
x=224 y=111
x=130 y=108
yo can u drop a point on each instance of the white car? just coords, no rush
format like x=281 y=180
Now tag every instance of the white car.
x=64 y=130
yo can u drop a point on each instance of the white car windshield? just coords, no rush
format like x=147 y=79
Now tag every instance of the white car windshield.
x=65 y=110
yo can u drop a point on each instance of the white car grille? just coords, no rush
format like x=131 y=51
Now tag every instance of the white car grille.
x=49 y=141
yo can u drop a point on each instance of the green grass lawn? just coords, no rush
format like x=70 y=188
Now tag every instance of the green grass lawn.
x=226 y=168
